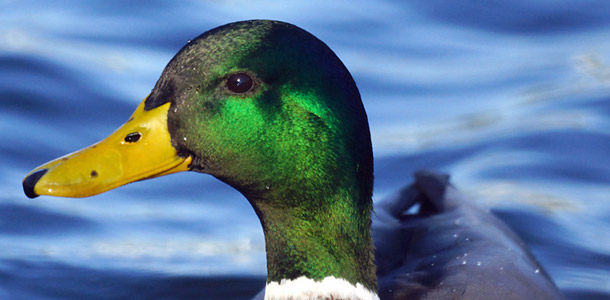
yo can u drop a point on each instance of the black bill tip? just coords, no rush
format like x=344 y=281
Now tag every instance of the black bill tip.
x=30 y=182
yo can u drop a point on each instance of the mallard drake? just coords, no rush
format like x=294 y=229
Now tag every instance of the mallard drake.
x=269 y=109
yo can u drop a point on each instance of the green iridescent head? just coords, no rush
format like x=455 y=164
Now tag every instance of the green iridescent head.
x=301 y=117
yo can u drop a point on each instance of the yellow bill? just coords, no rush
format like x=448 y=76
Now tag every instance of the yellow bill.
x=140 y=149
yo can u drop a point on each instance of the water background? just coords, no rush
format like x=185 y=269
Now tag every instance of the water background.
x=512 y=98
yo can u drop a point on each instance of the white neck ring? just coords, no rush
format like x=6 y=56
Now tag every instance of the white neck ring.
x=303 y=288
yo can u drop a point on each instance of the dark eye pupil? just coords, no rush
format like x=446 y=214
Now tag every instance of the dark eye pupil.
x=239 y=83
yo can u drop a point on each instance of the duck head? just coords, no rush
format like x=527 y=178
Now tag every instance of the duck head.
x=269 y=109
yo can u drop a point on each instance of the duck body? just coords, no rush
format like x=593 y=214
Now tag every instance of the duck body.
x=269 y=109
x=450 y=248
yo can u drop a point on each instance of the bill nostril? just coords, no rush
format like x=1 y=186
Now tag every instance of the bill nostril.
x=30 y=182
x=133 y=137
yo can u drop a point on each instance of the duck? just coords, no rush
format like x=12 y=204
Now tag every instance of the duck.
x=269 y=109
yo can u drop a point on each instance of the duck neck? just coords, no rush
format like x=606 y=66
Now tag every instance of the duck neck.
x=318 y=234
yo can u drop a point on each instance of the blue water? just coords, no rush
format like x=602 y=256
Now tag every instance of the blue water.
x=510 y=97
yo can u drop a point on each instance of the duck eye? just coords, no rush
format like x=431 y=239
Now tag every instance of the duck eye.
x=239 y=83
x=133 y=137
